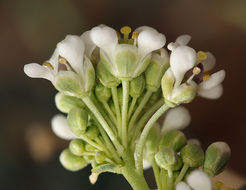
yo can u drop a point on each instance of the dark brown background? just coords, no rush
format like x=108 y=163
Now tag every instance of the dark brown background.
x=29 y=31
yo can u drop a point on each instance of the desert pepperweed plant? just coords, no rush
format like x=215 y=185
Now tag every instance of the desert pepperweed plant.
x=113 y=87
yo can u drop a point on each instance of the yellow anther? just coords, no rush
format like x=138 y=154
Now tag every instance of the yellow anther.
x=125 y=30
x=48 y=65
x=118 y=35
x=134 y=35
x=219 y=185
x=62 y=60
x=201 y=55
x=196 y=70
x=206 y=77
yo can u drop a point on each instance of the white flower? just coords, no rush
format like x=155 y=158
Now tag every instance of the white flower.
x=129 y=58
x=180 y=41
x=197 y=180
x=176 y=118
x=70 y=53
x=60 y=127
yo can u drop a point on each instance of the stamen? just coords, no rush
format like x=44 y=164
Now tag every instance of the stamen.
x=62 y=60
x=219 y=185
x=126 y=30
x=135 y=35
x=48 y=65
x=206 y=77
x=196 y=70
x=201 y=55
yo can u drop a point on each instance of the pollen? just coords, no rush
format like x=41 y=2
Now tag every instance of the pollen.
x=126 y=30
x=206 y=77
x=196 y=70
x=135 y=35
x=201 y=55
x=62 y=60
x=48 y=65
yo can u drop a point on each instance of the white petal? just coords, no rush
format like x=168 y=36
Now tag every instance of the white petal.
x=199 y=180
x=212 y=93
x=146 y=164
x=145 y=28
x=214 y=80
x=209 y=63
x=176 y=118
x=182 y=59
x=54 y=60
x=89 y=45
x=60 y=127
x=35 y=70
x=150 y=40
x=72 y=48
x=182 y=186
x=172 y=45
x=183 y=39
x=104 y=37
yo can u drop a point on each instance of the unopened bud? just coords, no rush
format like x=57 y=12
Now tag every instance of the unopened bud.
x=72 y=162
x=77 y=121
x=137 y=86
x=100 y=157
x=166 y=158
x=77 y=147
x=192 y=155
x=103 y=93
x=216 y=158
x=92 y=131
x=174 y=139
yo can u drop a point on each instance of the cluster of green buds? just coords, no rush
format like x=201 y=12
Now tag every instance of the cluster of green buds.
x=114 y=86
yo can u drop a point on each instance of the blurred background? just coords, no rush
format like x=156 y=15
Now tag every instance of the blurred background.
x=29 y=32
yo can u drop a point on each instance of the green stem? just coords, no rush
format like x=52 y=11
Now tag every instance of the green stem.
x=104 y=124
x=143 y=137
x=125 y=86
x=181 y=174
x=164 y=178
x=157 y=174
x=170 y=180
x=138 y=110
x=144 y=118
x=111 y=114
x=92 y=143
x=133 y=103
x=117 y=108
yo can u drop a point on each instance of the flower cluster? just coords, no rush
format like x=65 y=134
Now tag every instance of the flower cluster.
x=114 y=87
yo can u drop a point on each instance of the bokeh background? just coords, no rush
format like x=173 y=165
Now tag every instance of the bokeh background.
x=29 y=31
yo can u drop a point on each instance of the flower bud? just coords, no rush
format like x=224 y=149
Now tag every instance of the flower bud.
x=68 y=83
x=103 y=93
x=89 y=159
x=72 y=162
x=178 y=165
x=216 y=158
x=166 y=158
x=65 y=103
x=77 y=121
x=192 y=155
x=174 y=139
x=77 y=147
x=167 y=83
x=105 y=77
x=152 y=140
x=100 y=157
x=92 y=131
x=137 y=86
x=154 y=72
x=155 y=97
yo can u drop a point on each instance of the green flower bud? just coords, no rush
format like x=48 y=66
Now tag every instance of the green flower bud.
x=216 y=158
x=155 y=97
x=77 y=147
x=92 y=131
x=154 y=72
x=167 y=83
x=68 y=83
x=72 y=162
x=89 y=159
x=192 y=155
x=166 y=158
x=65 y=103
x=137 y=86
x=100 y=157
x=77 y=121
x=152 y=140
x=174 y=139
x=178 y=165
x=103 y=93
x=105 y=77
x=89 y=148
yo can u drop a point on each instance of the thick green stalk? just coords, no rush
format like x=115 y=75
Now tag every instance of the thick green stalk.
x=157 y=174
x=133 y=103
x=111 y=114
x=144 y=118
x=170 y=180
x=181 y=174
x=143 y=137
x=125 y=86
x=138 y=111
x=89 y=103
x=117 y=109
